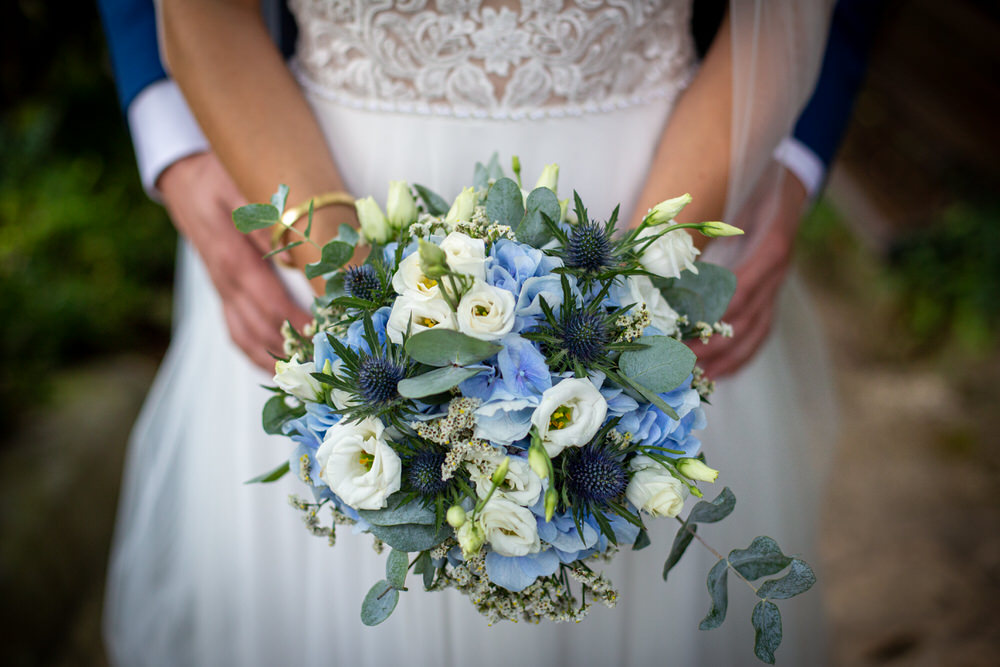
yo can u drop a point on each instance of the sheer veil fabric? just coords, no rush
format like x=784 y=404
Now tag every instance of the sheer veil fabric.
x=207 y=571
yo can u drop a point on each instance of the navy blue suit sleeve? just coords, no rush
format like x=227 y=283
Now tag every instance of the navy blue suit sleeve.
x=130 y=28
x=823 y=121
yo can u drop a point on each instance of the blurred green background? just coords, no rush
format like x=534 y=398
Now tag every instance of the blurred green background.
x=902 y=256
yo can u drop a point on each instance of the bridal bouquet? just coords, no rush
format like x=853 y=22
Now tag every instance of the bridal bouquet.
x=501 y=395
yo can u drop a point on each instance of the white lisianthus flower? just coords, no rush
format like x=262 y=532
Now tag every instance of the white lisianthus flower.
x=462 y=208
x=410 y=279
x=374 y=224
x=569 y=415
x=549 y=178
x=653 y=489
x=521 y=485
x=670 y=254
x=358 y=464
x=661 y=315
x=668 y=209
x=486 y=312
x=510 y=529
x=419 y=313
x=294 y=377
x=465 y=255
x=400 y=208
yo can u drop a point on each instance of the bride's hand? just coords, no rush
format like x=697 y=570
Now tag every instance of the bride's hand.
x=200 y=197
x=759 y=280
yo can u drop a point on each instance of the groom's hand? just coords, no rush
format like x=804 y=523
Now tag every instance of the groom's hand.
x=759 y=280
x=200 y=197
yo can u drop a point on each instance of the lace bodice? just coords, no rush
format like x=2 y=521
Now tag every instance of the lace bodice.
x=492 y=59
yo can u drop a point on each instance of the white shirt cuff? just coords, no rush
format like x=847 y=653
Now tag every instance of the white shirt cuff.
x=803 y=162
x=163 y=131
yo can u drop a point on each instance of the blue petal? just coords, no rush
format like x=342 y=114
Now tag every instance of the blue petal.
x=518 y=572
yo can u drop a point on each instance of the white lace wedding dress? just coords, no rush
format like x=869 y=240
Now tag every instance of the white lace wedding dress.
x=207 y=571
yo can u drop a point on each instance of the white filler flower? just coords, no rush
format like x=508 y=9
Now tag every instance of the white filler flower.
x=642 y=290
x=358 y=464
x=569 y=415
x=510 y=529
x=486 y=312
x=295 y=378
x=419 y=314
x=670 y=254
x=653 y=489
x=465 y=255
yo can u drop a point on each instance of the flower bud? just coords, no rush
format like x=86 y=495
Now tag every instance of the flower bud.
x=500 y=474
x=539 y=461
x=667 y=210
x=400 y=208
x=433 y=260
x=463 y=206
x=470 y=537
x=374 y=225
x=563 y=209
x=456 y=516
x=551 y=498
x=716 y=229
x=549 y=178
x=697 y=470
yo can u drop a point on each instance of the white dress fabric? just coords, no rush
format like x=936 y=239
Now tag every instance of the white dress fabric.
x=208 y=571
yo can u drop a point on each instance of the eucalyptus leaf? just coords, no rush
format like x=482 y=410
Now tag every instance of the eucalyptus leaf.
x=443 y=347
x=661 y=366
x=293 y=244
x=335 y=286
x=799 y=579
x=396 y=566
x=766 y=619
x=652 y=397
x=682 y=540
x=280 y=198
x=277 y=411
x=761 y=559
x=379 y=603
x=532 y=228
x=348 y=235
x=719 y=592
x=411 y=536
x=335 y=255
x=504 y=203
x=641 y=540
x=255 y=216
x=433 y=202
x=271 y=475
x=703 y=297
x=398 y=511
x=483 y=173
x=717 y=510
x=434 y=382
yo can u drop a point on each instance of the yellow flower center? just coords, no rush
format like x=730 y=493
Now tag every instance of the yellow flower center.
x=481 y=311
x=561 y=417
x=366 y=460
x=427 y=282
x=426 y=322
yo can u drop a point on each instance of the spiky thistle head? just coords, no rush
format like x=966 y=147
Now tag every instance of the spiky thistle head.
x=362 y=282
x=424 y=473
x=584 y=336
x=589 y=247
x=595 y=475
x=377 y=380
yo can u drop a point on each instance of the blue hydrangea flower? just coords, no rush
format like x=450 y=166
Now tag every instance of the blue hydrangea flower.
x=515 y=573
x=512 y=263
x=522 y=367
x=356 y=332
x=650 y=426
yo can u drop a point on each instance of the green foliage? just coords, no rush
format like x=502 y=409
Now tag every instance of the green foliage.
x=661 y=366
x=406 y=525
x=443 y=347
x=703 y=296
x=504 y=203
x=379 y=604
x=766 y=621
x=257 y=216
x=703 y=512
x=277 y=411
x=435 y=382
x=434 y=203
x=270 y=476
x=396 y=566
x=533 y=229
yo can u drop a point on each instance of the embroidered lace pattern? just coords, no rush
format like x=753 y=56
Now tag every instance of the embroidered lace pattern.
x=505 y=60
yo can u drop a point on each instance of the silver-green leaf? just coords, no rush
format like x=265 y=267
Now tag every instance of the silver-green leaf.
x=717 y=510
x=703 y=297
x=798 y=580
x=379 y=603
x=255 y=216
x=661 y=366
x=443 y=347
x=718 y=591
x=504 y=203
x=761 y=559
x=532 y=228
x=396 y=566
x=399 y=510
x=411 y=536
x=766 y=621
x=434 y=382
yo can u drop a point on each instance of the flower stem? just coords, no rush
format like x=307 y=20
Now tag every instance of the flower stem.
x=716 y=553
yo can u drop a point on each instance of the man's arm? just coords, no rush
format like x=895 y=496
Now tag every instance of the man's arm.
x=176 y=166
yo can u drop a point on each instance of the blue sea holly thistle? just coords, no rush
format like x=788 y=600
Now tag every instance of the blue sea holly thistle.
x=370 y=377
x=581 y=338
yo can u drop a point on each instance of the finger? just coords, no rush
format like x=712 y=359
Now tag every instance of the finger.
x=239 y=333
x=261 y=340
x=262 y=284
